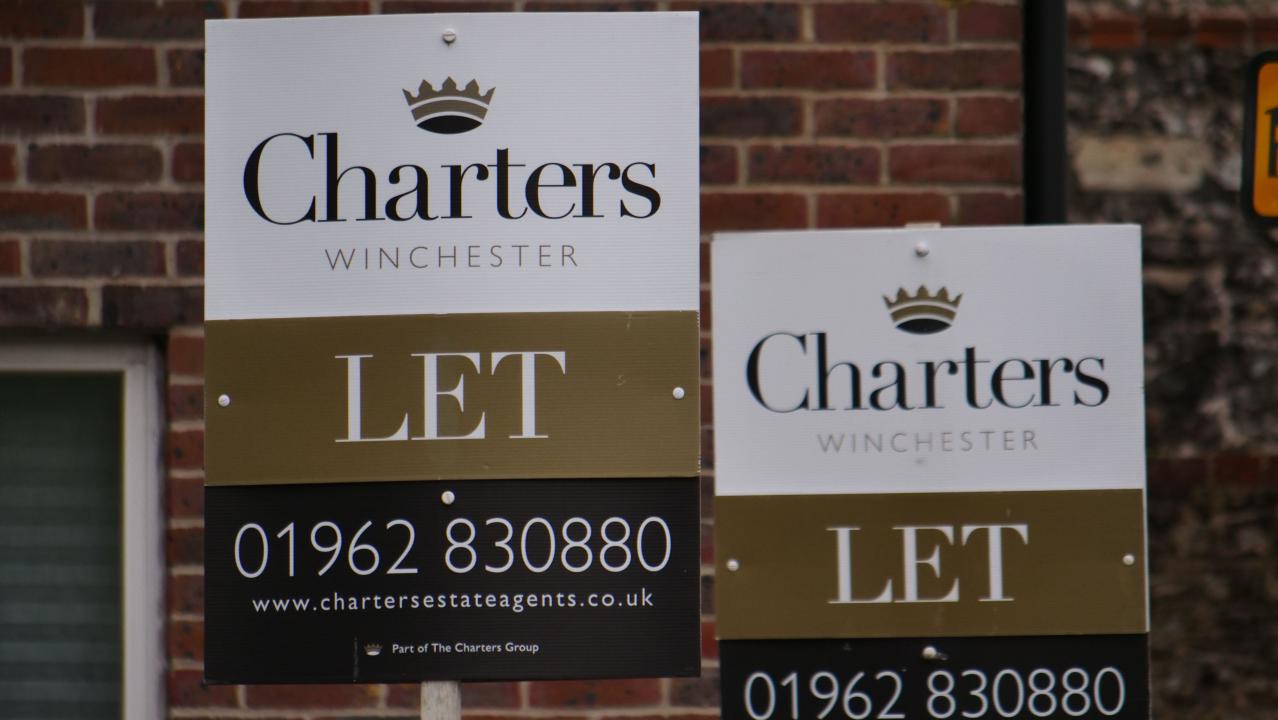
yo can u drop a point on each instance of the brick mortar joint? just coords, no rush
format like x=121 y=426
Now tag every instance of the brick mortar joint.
x=199 y=713
x=186 y=571
x=189 y=523
x=859 y=93
x=828 y=142
x=797 y=47
x=24 y=258
x=1092 y=10
x=51 y=140
x=189 y=571
x=187 y=331
x=988 y=142
x=95 y=188
x=163 y=78
x=98 y=282
x=869 y=189
x=951 y=25
x=109 y=43
x=127 y=92
x=53 y=281
x=112 y=236
x=880 y=70
x=171 y=272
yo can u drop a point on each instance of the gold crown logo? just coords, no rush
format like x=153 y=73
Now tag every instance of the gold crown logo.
x=372 y=649
x=923 y=313
x=449 y=110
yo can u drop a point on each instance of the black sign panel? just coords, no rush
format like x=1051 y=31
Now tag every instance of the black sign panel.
x=471 y=580
x=976 y=678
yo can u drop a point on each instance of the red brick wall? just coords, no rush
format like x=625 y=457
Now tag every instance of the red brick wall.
x=1226 y=25
x=813 y=115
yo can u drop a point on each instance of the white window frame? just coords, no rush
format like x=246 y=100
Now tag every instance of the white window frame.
x=142 y=499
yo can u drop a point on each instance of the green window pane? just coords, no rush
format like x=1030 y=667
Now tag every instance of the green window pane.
x=60 y=557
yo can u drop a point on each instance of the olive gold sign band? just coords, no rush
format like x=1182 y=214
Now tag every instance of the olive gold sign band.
x=487 y=393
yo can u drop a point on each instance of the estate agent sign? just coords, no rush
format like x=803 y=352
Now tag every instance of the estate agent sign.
x=1259 y=196
x=452 y=347
x=930 y=473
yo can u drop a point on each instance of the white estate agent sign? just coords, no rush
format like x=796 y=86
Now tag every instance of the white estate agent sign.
x=913 y=361
x=451 y=286
x=537 y=163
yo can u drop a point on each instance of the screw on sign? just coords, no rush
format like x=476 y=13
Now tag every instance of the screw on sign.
x=1260 y=141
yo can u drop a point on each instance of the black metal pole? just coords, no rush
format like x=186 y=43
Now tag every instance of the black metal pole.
x=1043 y=73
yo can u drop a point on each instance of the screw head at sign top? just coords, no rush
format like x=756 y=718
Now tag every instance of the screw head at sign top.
x=921 y=249
x=1129 y=559
x=678 y=393
x=223 y=400
x=448 y=497
x=450 y=36
x=931 y=653
x=733 y=565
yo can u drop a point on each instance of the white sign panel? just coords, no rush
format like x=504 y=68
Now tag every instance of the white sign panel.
x=910 y=361
x=364 y=166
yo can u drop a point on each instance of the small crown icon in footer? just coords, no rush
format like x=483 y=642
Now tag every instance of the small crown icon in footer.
x=923 y=313
x=372 y=649
x=449 y=110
